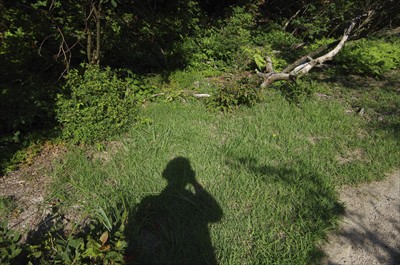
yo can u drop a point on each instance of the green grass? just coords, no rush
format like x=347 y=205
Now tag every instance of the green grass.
x=7 y=205
x=272 y=169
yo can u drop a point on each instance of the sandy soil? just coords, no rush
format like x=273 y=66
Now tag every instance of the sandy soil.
x=369 y=233
x=27 y=188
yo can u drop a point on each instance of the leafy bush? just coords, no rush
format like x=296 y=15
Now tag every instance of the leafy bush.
x=221 y=45
x=234 y=92
x=298 y=90
x=9 y=244
x=280 y=39
x=371 y=57
x=313 y=46
x=97 y=104
x=102 y=243
x=7 y=204
x=279 y=44
x=255 y=57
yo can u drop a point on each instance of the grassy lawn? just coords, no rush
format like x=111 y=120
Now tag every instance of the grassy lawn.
x=257 y=186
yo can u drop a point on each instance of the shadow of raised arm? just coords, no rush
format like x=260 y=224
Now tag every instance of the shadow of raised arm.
x=212 y=211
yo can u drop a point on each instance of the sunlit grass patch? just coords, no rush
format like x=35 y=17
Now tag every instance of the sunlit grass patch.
x=272 y=169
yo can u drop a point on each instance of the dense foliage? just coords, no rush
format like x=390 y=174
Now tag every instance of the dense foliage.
x=101 y=242
x=86 y=67
x=370 y=57
x=233 y=92
x=41 y=40
x=96 y=104
x=9 y=244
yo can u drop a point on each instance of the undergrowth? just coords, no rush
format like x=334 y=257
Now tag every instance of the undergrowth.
x=234 y=91
x=98 y=104
x=370 y=57
x=272 y=169
x=100 y=241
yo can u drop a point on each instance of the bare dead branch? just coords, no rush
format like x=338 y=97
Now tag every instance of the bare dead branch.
x=269 y=68
x=201 y=95
x=302 y=59
x=290 y=19
x=64 y=51
x=41 y=45
x=52 y=6
x=388 y=32
x=89 y=16
x=305 y=68
x=304 y=64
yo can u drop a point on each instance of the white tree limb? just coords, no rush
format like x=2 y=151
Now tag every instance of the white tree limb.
x=304 y=66
x=201 y=95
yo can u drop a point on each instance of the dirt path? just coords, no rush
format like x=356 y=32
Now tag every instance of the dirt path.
x=369 y=233
x=27 y=189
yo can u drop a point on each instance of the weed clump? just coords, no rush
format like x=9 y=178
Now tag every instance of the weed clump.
x=101 y=242
x=298 y=90
x=234 y=92
x=96 y=104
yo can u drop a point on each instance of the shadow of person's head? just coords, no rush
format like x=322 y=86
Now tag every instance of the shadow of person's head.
x=172 y=227
x=179 y=173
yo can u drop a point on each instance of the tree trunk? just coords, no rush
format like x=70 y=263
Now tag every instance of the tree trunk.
x=98 y=34
x=93 y=18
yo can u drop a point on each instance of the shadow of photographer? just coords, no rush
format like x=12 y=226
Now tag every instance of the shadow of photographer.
x=172 y=227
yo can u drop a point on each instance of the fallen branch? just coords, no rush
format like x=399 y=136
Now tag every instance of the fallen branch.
x=201 y=95
x=304 y=64
x=194 y=95
x=303 y=59
x=388 y=32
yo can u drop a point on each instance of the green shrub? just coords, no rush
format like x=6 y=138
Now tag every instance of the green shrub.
x=234 y=92
x=255 y=57
x=97 y=104
x=9 y=244
x=298 y=90
x=102 y=241
x=316 y=44
x=7 y=205
x=278 y=44
x=280 y=39
x=100 y=244
x=371 y=57
x=221 y=45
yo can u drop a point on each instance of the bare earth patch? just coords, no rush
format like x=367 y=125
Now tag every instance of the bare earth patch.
x=27 y=188
x=350 y=156
x=369 y=233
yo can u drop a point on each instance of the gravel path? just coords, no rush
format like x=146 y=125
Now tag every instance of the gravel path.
x=369 y=233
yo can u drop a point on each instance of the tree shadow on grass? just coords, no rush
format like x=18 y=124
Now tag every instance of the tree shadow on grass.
x=312 y=200
x=379 y=97
x=172 y=227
